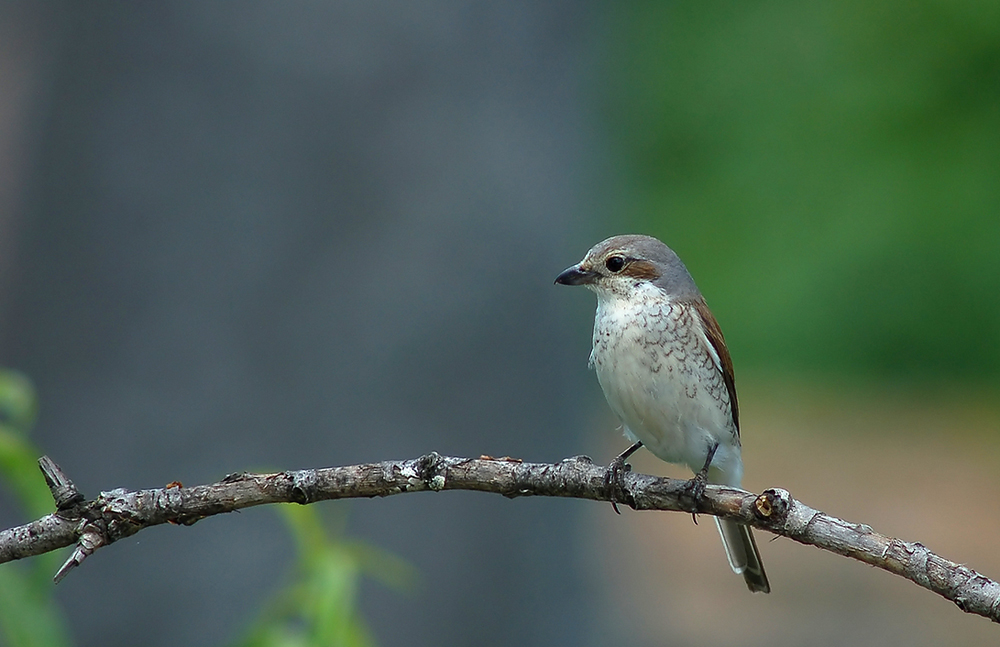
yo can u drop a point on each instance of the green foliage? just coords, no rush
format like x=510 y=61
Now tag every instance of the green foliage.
x=829 y=172
x=319 y=608
x=29 y=616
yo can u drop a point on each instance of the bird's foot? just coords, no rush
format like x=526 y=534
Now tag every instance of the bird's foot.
x=614 y=482
x=694 y=492
x=694 y=489
x=614 y=477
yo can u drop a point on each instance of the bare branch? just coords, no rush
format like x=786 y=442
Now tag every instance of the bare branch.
x=121 y=513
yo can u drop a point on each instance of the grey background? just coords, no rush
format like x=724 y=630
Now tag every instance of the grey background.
x=280 y=235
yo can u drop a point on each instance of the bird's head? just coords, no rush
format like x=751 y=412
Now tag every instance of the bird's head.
x=622 y=265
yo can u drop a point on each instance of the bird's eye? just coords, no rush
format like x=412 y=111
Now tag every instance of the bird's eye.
x=614 y=264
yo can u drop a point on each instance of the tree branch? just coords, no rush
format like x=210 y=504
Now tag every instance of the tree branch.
x=120 y=513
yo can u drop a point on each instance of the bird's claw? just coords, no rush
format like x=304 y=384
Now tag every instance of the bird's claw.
x=614 y=482
x=694 y=489
x=614 y=477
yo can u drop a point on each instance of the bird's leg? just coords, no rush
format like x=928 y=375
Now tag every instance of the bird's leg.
x=695 y=487
x=613 y=477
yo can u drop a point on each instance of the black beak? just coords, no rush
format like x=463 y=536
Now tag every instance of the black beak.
x=576 y=276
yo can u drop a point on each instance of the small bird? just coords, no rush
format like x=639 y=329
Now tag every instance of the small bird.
x=666 y=372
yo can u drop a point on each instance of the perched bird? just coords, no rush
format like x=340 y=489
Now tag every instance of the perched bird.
x=666 y=372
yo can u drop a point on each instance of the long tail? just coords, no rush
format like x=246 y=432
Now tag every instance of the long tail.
x=741 y=549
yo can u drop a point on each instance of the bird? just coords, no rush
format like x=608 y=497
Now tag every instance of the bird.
x=666 y=372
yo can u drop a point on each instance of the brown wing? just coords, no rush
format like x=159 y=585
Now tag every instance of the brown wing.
x=714 y=334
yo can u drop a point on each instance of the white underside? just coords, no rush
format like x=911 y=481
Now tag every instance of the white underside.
x=666 y=386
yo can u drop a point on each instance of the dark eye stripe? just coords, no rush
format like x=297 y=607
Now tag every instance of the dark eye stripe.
x=641 y=269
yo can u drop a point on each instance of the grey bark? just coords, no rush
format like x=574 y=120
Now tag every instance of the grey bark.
x=120 y=513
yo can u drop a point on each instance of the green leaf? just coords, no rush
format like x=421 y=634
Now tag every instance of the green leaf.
x=28 y=616
x=18 y=404
x=319 y=607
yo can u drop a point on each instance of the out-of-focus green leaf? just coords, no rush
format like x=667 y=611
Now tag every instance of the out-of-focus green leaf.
x=389 y=569
x=19 y=469
x=18 y=457
x=319 y=607
x=29 y=616
x=18 y=404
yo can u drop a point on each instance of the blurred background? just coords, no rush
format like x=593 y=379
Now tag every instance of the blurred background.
x=252 y=236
